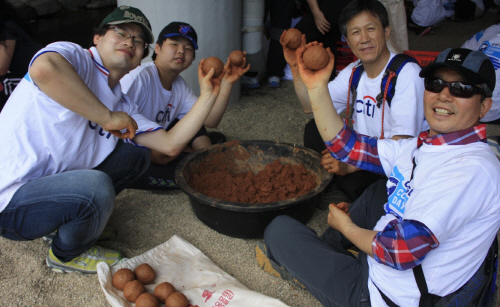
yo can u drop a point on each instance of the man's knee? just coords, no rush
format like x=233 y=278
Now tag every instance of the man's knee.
x=279 y=228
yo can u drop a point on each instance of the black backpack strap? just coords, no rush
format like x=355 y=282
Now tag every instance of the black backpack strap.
x=388 y=84
x=479 y=290
x=425 y=296
x=356 y=72
x=386 y=299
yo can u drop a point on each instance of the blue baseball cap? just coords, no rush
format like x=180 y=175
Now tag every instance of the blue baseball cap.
x=177 y=28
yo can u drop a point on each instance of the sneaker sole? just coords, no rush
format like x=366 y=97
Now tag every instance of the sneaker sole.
x=61 y=270
x=426 y=31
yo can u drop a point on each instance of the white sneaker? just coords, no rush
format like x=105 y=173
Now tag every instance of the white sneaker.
x=274 y=81
x=249 y=82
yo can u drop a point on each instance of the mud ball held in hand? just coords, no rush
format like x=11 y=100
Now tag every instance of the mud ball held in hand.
x=236 y=57
x=214 y=62
x=293 y=37
x=316 y=57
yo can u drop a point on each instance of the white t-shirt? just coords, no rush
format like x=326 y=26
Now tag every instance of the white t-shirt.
x=455 y=192
x=488 y=41
x=144 y=88
x=43 y=138
x=405 y=116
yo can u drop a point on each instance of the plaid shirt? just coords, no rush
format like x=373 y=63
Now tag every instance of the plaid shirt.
x=402 y=244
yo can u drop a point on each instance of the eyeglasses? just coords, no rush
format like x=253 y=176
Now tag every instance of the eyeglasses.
x=124 y=35
x=457 y=88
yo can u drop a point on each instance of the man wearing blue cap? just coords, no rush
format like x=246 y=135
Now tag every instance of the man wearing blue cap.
x=164 y=97
x=431 y=235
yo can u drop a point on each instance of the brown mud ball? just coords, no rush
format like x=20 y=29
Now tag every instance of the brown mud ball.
x=236 y=57
x=133 y=289
x=214 y=62
x=176 y=299
x=316 y=57
x=163 y=290
x=293 y=37
x=121 y=277
x=147 y=300
x=145 y=273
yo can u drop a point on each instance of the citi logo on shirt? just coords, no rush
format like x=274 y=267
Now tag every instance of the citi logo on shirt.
x=164 y=116
x=366 y=106
x=101 y=131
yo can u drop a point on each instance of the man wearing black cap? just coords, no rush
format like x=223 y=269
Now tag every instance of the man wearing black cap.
x=442 y=212
x=164 y=97
x=63 y=162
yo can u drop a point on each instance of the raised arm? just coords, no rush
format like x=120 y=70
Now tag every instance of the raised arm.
x=316 y=82
x=172 y=142
x=291 y=59
x=58 y=79
x=232 y=74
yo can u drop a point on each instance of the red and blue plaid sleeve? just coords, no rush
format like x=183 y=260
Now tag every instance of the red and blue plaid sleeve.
x=356 y=149
x=403 y=244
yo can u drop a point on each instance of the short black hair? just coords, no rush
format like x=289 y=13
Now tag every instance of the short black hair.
x=160 y=42
x=356 y=7
x=102 y=31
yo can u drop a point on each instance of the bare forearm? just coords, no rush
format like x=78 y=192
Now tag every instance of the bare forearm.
x=301 y=91
x=173 y=142
x=57 y=78
x=361 y=238
x=220 y=106
x=327 y=119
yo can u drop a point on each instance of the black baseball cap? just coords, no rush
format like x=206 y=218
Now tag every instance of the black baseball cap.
x=178 y=28
x=129 y=14
x=474 y=66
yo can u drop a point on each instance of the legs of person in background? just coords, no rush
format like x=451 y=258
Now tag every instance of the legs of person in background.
x=281 y=14
x=331 y=10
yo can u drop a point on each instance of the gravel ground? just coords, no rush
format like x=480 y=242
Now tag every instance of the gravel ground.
x=145 y=219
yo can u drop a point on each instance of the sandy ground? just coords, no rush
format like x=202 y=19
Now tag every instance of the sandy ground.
x=146 y=219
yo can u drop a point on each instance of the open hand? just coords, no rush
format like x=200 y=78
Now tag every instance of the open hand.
x=232 y=72
x=290 y=56
x=318 y=78
x=208 y=84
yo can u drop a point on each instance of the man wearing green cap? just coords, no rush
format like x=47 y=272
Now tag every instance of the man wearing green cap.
x=65 y=163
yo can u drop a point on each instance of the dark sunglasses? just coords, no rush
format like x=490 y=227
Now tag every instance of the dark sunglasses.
x=457 y=88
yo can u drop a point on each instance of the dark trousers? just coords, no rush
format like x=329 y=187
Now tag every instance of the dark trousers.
x=352 y=184
x=282 y=12
x=78 y=203
x=162 y=177
x=322 y=263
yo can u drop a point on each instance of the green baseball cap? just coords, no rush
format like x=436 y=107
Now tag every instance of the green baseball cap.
x=126 y=14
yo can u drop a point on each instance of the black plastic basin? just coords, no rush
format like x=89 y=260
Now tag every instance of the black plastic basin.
x=244 y=220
